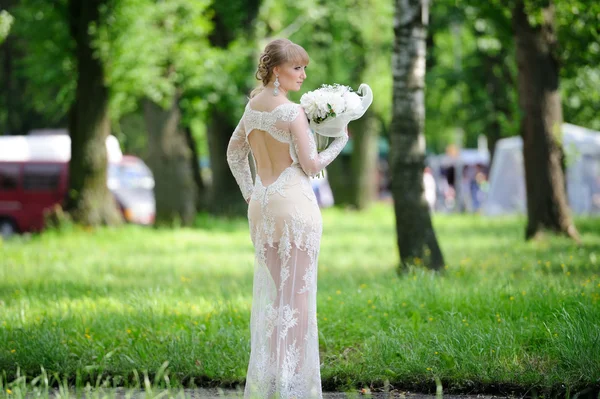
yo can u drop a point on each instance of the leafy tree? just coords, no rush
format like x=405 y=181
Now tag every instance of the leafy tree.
x=539 y=97
x=90 y=202
x=38 y=68
x=416 y=237
x=160 y=81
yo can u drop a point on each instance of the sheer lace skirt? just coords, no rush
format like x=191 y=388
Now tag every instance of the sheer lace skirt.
x=285 y=223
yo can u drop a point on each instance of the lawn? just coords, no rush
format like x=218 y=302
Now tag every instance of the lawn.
x=106 y=305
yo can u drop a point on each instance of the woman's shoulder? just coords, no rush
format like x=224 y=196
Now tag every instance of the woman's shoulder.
x=286 y=110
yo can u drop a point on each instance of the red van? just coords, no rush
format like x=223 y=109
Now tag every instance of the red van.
x=26 y=190
x=34 y=177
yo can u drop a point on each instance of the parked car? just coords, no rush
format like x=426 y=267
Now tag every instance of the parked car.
x=132 y=184
x=34 y=177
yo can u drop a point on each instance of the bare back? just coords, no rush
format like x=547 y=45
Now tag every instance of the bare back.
x=271 y=155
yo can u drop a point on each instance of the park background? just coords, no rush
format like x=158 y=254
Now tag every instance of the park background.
x=407 y=300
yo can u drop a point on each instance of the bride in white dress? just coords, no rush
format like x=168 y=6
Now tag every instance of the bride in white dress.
x=285 y=227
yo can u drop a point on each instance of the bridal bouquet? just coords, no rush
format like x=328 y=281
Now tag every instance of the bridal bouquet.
x=331 y=107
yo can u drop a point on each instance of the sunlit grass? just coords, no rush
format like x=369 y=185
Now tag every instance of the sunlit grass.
x=505 y=314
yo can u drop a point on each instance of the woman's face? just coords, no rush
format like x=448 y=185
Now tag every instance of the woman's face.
x=291 y=75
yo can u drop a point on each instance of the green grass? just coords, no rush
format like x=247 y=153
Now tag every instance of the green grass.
x=108 y=304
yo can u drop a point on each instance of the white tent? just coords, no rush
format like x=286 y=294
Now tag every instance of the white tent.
x=47 y=147
x=507 y=175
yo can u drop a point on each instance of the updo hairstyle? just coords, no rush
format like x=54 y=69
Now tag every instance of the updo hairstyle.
x=277 y=52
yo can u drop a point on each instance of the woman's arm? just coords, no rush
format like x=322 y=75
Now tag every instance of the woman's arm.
x=237 y=158
x=313 y=162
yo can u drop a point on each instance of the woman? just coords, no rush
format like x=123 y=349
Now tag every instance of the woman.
x=285 y=226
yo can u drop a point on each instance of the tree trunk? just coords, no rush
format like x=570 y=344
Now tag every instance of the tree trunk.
x=339 y=176
x=225 y=196
x=90 y=202
x=497 y=89
x=201 y=199
x=416 y=237
x=364 y=160
x=539 y=98
x=170 y=159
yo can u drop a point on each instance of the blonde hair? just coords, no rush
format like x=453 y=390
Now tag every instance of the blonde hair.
x=277 y=52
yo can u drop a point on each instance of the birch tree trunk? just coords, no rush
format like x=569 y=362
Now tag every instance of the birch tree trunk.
x=416 y=237
x=90 y=202
x=539 y=98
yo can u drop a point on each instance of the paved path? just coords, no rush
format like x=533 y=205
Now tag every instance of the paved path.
x=120 y=393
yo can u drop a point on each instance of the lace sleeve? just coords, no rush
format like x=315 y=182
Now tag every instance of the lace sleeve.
x=306 y=148
x=237 y=158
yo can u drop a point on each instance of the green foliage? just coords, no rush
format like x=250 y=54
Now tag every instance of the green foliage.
x=152 y=50
x=342 y=47
x=6 y=21
x=47 y=64
x=467 y=37
x=157 y=49
x=104 y=302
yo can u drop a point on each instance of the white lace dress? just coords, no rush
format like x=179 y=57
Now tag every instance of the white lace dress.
x=285 y=226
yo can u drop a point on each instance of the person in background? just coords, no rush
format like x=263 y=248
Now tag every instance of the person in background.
x=429 y=188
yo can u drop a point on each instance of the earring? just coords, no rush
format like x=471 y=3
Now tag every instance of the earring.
x=276 y=84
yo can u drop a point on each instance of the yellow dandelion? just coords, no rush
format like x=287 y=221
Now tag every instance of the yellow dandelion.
x=431 y=319
x=88 y=336
x=8 y=391
x=523 y=292
x=363 y=286
x=325 y=318
x=329 y=298
x=370 y=301
x=338 y=292
x=428 y=368
x=13 y=351
x=373 y=307
x=512 y=298
x=128 y=331
x=436 y=353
